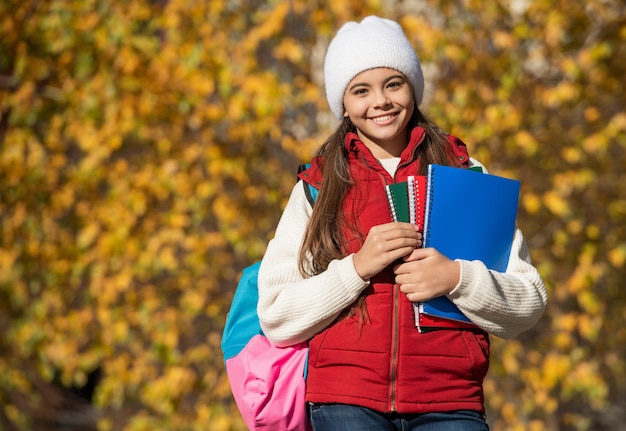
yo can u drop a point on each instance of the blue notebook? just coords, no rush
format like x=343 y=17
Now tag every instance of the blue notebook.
x=469 y=215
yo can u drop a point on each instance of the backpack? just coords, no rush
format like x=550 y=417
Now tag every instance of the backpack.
x=267 y=382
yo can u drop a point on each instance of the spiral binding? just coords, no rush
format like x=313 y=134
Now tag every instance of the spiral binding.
x=392 y=204
x=412 y=199
x=429 y=197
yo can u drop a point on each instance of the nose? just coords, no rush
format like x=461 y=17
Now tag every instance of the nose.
x=381 y=99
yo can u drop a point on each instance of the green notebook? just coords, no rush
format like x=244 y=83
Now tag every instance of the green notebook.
x=407 y=200
x=398 y=196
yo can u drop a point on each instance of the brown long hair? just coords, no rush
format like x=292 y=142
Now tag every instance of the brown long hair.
x=324 y=236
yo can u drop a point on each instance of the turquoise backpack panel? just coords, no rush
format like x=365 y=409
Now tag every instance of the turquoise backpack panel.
x=242 y=322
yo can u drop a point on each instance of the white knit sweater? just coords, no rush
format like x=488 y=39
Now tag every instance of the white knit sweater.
x=293 y=309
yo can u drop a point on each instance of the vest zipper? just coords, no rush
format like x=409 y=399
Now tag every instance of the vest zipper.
x=395 y=334
x=394 y=350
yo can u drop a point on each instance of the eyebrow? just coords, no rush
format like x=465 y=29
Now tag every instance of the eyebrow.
x=364 y=84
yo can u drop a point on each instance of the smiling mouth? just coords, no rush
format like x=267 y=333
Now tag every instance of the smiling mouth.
x=383 y=118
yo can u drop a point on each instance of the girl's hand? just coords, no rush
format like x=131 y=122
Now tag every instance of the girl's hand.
x=384 y=244
x=426 y=274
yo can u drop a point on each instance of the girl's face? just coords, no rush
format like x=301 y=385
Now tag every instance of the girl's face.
x=380 y=103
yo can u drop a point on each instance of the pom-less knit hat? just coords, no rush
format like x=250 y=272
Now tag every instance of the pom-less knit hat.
x=374 y=42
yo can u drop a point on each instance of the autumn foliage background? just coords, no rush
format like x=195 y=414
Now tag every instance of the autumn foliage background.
x=147 y=148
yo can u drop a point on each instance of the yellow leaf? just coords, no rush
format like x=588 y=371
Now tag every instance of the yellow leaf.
x=572 y=154
x=7 y=260
x=87 y=235
x=593 y=231
x=503 y=39
x=289 y=49
x=527 y=142
x=555 y=368
x=592 y=114
x=556 y=204
x=531 y=203
x=617 y=256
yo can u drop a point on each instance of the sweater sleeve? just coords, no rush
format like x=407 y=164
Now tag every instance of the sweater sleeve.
x=292 y=308
x=502 y=303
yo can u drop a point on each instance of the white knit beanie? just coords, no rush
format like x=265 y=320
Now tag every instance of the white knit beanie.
x=374 y=42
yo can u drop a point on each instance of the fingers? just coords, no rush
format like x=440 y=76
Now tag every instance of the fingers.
x=396 y=234
x=385 y=244
x=418 y=254
x=430 y=275
x=394 y=240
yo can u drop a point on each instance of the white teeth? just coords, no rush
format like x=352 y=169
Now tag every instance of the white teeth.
x=382 y=119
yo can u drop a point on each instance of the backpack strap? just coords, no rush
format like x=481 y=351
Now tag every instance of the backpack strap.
x=310 y=191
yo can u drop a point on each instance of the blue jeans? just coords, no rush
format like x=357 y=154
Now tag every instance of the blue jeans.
x=342 y=417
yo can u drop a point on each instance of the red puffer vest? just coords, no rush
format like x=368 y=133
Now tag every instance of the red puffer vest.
x=385 y=364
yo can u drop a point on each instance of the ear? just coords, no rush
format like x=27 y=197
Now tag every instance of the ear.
x=345 y=114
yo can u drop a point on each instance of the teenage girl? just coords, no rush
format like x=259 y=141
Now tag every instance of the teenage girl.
x=343 y=276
